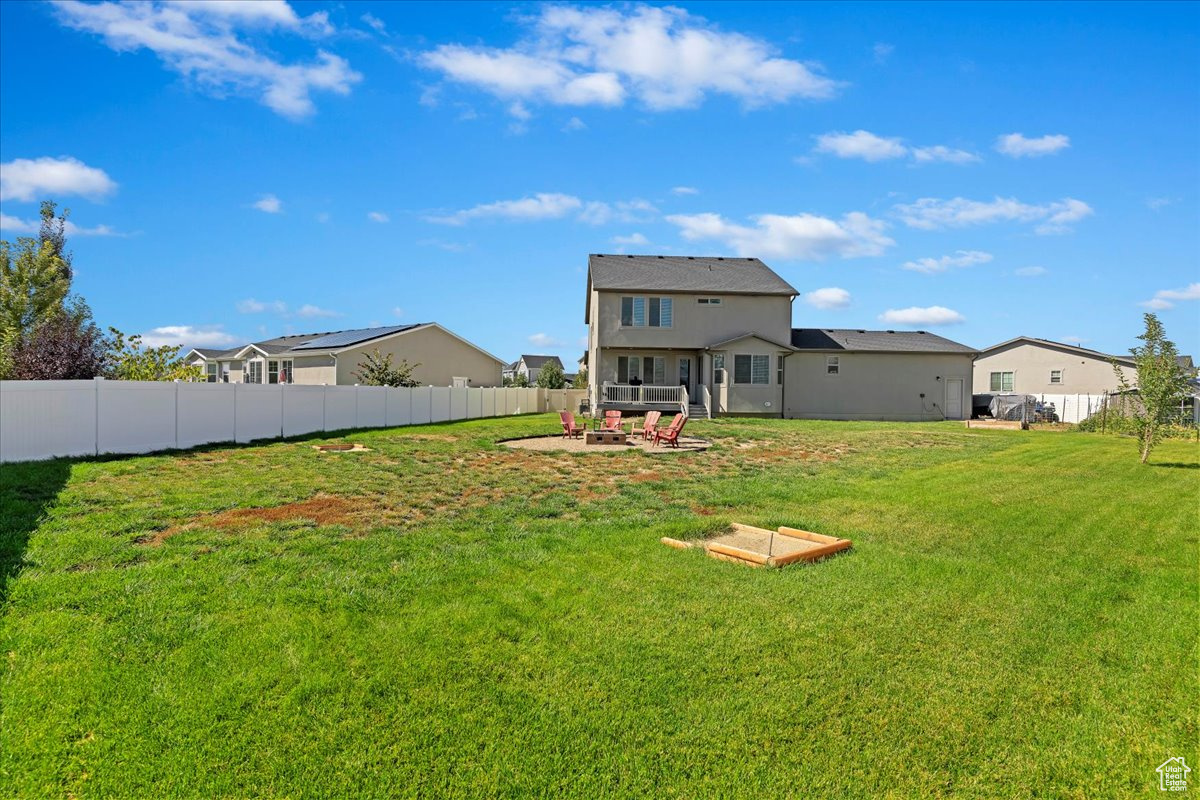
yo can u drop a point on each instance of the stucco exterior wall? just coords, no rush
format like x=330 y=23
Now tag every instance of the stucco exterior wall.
x=314 y=370
x=1031 y=364
x=694 y=325
x=880 y=386
x=440 y=358
x=747 y=398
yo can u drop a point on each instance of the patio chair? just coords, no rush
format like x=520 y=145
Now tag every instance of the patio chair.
x=649 y=425
x=570 y=428
x=670 y=434
x=612 y=421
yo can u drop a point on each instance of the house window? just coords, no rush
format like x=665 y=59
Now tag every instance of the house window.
x=633 y=312
x=654 y=370
x=1056 y=376
x=253 y=372
x=833 y=365
x=225 y=367
x=718 y=368
x=779 y=371
x=708 y=301
x=752 y=369
x=1002 y=381
x=628 y=368
x=210 y=372
x=272 y=372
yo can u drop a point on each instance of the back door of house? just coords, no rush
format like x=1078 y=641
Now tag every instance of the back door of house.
x=685 y=374
x=954 y=397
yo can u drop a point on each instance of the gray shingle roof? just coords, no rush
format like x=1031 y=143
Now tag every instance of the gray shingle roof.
x=685 y=274
x=852 y=339
x=537 y=362
x=338 y=339
x=1070 y=348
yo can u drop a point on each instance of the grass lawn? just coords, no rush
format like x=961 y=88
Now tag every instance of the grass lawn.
x=443 y=616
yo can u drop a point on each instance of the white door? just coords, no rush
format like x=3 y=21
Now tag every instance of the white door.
x=954 y=393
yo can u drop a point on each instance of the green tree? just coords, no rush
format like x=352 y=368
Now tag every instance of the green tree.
x=551 y=376
x=377 y=370
x=1161 y=385
x=517 y=381
x=129 y=360
x=35 y=279
x=580 y=379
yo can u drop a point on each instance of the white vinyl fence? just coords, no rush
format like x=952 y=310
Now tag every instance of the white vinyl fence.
x=45 y=419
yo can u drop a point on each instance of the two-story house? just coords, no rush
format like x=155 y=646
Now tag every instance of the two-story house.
x=712 y=336
x=671 y=332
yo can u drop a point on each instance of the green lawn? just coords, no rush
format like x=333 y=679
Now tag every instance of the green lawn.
x=443 y=616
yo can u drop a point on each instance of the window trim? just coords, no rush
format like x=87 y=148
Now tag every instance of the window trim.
x=833 y=365
x=760 y=358
x=999 y=374
x=212 y=372
x=718 y=367
x=1056 y=373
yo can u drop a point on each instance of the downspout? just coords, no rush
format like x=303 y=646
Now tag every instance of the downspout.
x=783 y=384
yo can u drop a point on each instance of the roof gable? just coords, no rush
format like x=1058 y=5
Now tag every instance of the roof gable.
x=537 y=362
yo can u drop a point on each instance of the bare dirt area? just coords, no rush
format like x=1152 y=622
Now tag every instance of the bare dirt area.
x=559 y=444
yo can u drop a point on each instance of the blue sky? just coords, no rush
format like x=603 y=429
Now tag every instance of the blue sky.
x=237 y=171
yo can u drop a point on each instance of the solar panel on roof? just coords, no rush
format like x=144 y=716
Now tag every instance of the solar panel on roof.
x=347 y=338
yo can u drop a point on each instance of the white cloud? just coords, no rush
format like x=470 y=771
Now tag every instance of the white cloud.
x=960 y=258
x=375 y=22
x=633 y=238
x=323 y=217
x=545 y=340
x=830 y=297
x=1159 y=203
x=200 y=41
x=269 y=203
x=931 y=213
x=397 y=312
x=545 y=205
x=309 y=311
x=1030 y=272
x=575 y=124
x=34 y=226
x=449 y=247
x=1167 y=298
x=600 y=213
x=882 y=51
x=518 y=110
x=252 y=306
x=378 y=216
x=187 y=336
x=802 y=236
x=27 y=179
x=1017 y=145
x=914 y=315
x=664 y=57
x=870 y=147
x=683 y=190
x=941 y=153
x=860 y=144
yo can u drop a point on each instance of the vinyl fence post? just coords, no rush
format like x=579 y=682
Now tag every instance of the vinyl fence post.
x=96 y=408
x=176 y=413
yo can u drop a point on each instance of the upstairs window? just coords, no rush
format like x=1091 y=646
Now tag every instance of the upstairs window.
x=1001 y=381
x=708 y=301
x=634 y=312
x=1056 y=376
x=833 y=365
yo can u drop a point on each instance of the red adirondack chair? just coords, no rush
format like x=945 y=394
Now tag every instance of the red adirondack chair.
x=570 y=429
x=649 y=425
x=670 y=434
x=612 y=421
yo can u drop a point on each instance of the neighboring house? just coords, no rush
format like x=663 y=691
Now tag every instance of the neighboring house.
x=442 y=358
x=530 y=366
x=860 y=374
x=1039 y=366
x=720 y=330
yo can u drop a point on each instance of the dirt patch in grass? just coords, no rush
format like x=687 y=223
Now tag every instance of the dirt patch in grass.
x=322 y=509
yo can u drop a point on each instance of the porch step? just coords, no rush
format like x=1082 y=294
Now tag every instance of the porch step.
x=697 y=411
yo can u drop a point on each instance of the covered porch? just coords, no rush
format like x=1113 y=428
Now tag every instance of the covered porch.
x=642 y=380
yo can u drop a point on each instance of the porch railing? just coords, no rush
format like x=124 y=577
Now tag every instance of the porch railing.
x=706 y=399
x=643 y=395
